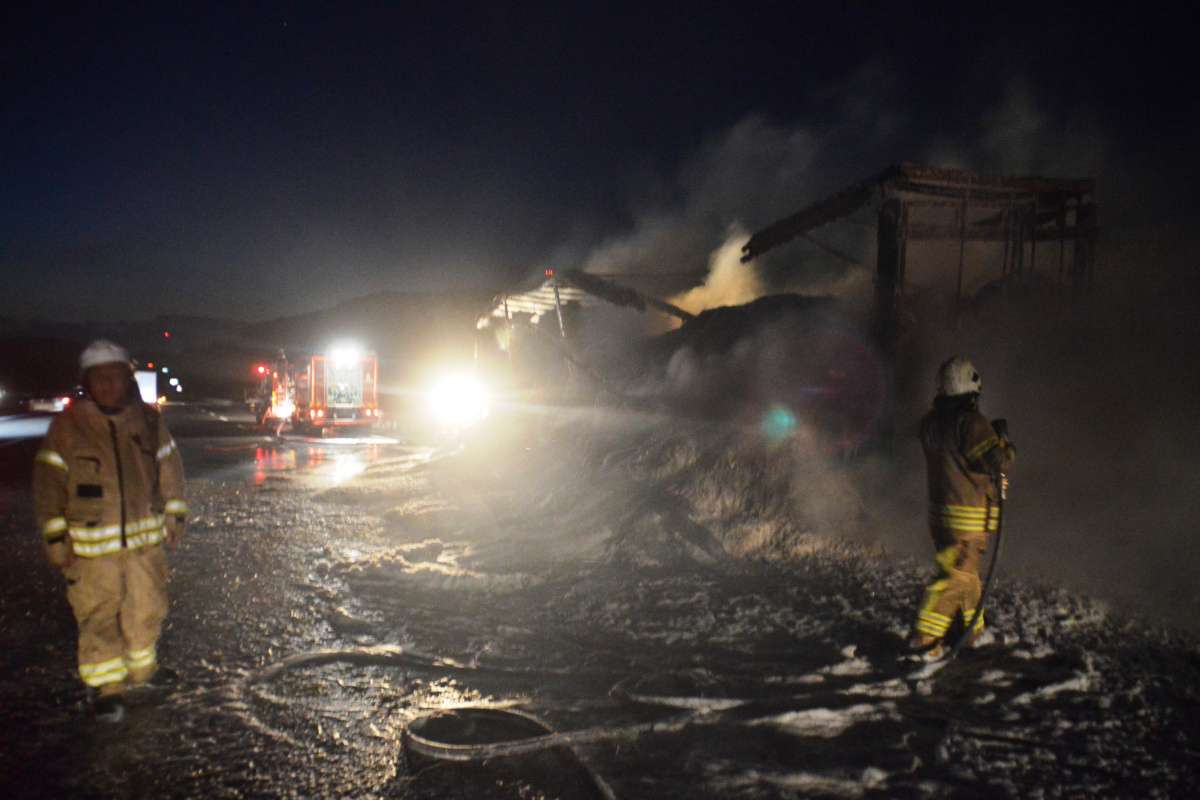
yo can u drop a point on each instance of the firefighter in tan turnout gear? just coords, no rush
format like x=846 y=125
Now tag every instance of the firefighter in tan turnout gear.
x=966 y=456
x=108 y=493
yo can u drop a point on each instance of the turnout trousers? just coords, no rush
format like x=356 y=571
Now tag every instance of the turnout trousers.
x=120 y=602
x=956 y=588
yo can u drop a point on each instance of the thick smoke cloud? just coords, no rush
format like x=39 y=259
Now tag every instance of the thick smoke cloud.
x=753 y=172
x=1104 y=499
x=1100 y=391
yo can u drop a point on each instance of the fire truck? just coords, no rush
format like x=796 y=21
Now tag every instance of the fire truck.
x=337 y=389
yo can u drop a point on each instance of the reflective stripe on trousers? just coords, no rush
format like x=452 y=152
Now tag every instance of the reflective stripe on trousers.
x=115 y=670
x=957 y=588
x=119 y=602
x=103 y=672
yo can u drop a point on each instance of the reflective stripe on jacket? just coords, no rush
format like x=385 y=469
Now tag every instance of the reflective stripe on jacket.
x=967 y=519
x=105 y=481
x=963 y=454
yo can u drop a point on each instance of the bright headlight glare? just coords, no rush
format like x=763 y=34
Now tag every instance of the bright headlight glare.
x=345 y=354
x=459 y=400
x=284 y=409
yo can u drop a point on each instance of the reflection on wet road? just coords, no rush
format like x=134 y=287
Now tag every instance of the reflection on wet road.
x=319 y=463
x=23 y=426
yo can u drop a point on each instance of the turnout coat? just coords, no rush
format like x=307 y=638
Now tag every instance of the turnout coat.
x=104 y=483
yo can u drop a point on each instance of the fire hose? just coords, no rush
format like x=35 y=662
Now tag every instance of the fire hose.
x=696 y=711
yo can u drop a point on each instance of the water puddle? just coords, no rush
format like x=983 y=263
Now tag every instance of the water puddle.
x=318 y=463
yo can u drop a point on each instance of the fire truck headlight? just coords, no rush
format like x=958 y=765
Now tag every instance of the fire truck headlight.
x=345 y=354
x=284 y=409
x=459 y=400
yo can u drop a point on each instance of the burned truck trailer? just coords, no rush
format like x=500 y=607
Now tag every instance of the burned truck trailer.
x=1025 y=216
x=974 y=237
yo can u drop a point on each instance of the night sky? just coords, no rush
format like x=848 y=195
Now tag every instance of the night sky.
x=283 y=158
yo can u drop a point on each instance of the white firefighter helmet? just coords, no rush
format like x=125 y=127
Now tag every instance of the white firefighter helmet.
x=100 y=352
x=959 y=376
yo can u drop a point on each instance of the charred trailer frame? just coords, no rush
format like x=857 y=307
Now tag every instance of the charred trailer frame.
x=1017 y=212
x=919 y=204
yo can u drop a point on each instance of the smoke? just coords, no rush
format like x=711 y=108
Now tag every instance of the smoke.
x=1100 y=392
x=1104 y=495
x=1103 y=499
x=737 y=175
x=729 y=281
x=758 y=170
x=1024 y=134
x=753 y=172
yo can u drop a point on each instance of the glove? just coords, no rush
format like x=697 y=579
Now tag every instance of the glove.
x=60 y=554
x=175 y=529
x=1000 y=426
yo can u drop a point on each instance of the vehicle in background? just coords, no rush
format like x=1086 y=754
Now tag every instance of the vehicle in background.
x=147 y=383
x=319 y=393
x=50 y=404
x=38 y=402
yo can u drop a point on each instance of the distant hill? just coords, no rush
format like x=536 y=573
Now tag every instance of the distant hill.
x=411 y=332
x=214 y=356
x=393 y=324
x=37 y=365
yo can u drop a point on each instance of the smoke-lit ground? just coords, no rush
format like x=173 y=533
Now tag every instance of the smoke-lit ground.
x=602 y=571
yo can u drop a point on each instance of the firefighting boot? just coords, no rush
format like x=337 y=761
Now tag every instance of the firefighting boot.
x=161 y=679
x=109 y=708
x=925 y=646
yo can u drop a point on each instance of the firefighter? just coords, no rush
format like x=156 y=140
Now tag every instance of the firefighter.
x=108 y=493
x=966 y=457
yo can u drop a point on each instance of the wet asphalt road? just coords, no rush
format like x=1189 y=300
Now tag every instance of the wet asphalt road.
x=246 y=588
x=263 y=575
x=331 y=592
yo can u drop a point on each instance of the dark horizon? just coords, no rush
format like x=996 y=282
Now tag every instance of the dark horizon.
x=263 y=163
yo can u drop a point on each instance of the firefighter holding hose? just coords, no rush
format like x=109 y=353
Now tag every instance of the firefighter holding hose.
x=967 y=460
x=108 y=493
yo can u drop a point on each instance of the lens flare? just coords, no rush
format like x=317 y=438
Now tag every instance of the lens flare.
x=779 y=423
x=345 y=354
x=459 y=400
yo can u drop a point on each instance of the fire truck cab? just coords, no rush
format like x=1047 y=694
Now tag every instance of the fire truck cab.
x=337 y=389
